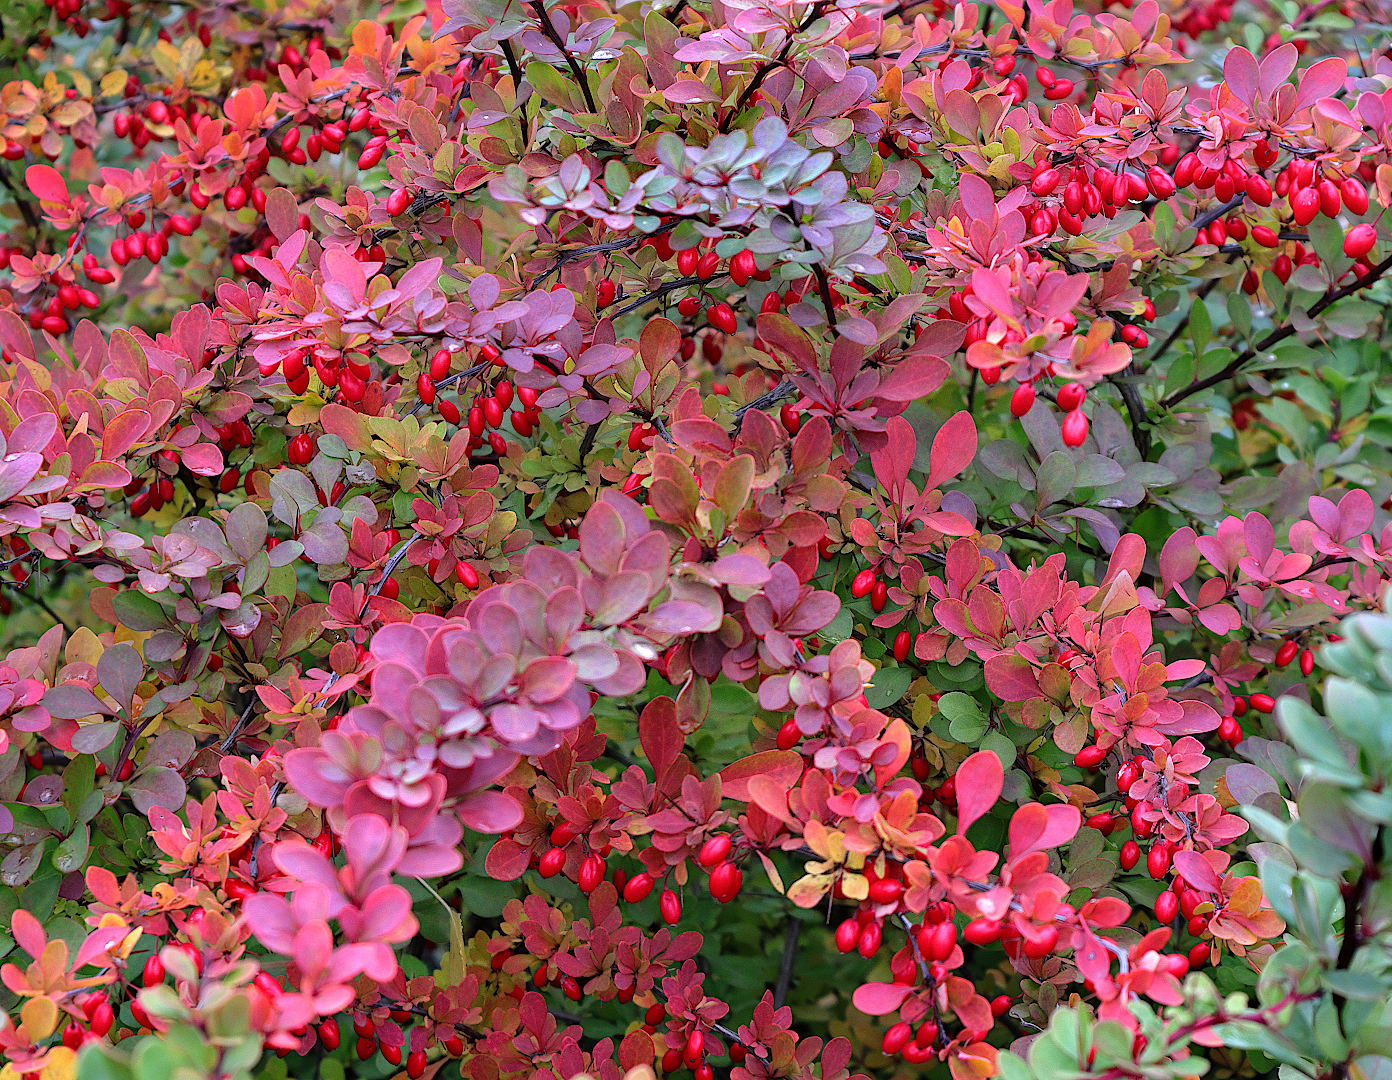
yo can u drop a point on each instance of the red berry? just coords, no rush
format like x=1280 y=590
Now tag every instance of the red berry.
x=638 y=888
x=722 y=317
x=743 y=267
x=300 y=449
x=715 y=850
x=1071 y=396
x=896 y=1038
x=902 y=641
x=725 y=882
x=1075 y=428
x=1166 y=906
x=863 y=583
x=870 y=937
x=885 y=891
x=1089 y=757
x=1046 y=182
x=789 y=735
x=153 y=972
x=425 y=388
x=1360 y=240
x=591 y=873
x=1022 y=400
x=847 y=936
x=1307 y=663
x=1158 y=861
x=669 y=906
x=982 y=931
x=1262 y=703
x=1355 y=195
x=1130 y=855
x=695 y=1047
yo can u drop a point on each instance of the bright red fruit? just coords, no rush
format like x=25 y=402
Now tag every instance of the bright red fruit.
x=1360 y=240
x=722 y=317
x=300 y=449
x=1075 y=428
x=715 y=850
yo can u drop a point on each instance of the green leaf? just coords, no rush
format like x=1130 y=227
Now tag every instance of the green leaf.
x=1200 y=326
x=888 y=686
x=138 y=610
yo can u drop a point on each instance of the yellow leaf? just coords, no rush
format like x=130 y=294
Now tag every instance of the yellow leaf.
x=39 y=1017
x=61 y=1064
x=113 y=83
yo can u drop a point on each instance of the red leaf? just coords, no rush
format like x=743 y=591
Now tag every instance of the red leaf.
x=954 y=446
x=1036 y=827
x=877 y=998
x=781 y=766
x=46 y=183
x=1011 y=678
x=662 y=740
x=979 y=782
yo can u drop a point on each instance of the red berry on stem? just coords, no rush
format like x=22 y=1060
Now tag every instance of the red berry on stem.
x=1360 y=240
x=1071 y=396
x=1075 y=428
x=638 y=888
x=715 y=850
x=896 y=1038
x=722 y=317
x=1089 y=757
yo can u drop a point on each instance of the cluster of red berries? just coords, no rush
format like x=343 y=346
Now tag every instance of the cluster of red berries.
x=369 y=1043
x=594 y=868
x=1082 y=190
x=693 y=1052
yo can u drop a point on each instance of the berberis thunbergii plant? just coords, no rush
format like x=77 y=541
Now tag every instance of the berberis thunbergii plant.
x=757 y=539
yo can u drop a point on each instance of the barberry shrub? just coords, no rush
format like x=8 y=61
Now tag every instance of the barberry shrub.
x=771 y=538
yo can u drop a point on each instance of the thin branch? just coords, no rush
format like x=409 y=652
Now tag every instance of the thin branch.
x=791 y=931
x=784 y=389
x=1276 y=336
x=555 y=38
x=824 y=290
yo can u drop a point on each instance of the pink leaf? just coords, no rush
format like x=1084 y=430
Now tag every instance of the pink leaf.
x=1036 y=827
x=979 y=782
x=877 y=998
x=782 y=766
x=46 y=183
x=954 y=446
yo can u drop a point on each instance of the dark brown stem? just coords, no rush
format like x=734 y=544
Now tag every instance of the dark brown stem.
x=824 y=290
x=792 y=930
x=768 y=68
x=1276 y=336
x=555 y=38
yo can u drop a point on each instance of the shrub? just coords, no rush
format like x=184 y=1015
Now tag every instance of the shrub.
x=774 y=538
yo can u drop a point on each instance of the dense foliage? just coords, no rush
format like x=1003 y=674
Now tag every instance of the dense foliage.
x=763 y=538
